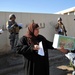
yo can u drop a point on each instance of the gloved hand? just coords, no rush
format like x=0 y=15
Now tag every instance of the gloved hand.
x=20 y=27
x=65 y=34
x=15 y=25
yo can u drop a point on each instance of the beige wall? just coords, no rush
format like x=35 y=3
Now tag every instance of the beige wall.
x=25 y=18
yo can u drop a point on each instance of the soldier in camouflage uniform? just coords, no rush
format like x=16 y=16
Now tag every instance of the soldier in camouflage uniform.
x=60 y=28
x=13 y=29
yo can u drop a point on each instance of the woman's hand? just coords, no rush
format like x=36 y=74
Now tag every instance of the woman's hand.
x=36 y=47
x=63 y=50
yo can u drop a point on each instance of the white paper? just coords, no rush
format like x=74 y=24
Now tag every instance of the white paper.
x=1 y=31
x=20 y=24
x=41 y=50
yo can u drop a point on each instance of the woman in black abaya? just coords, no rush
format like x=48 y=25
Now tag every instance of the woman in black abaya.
x=28 y=46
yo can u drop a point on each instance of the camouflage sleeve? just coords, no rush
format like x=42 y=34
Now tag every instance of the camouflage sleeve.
x=56 y=27
x=64 y=29
x=9 y=26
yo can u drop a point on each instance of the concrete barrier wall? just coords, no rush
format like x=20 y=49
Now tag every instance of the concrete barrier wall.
x=49 y=20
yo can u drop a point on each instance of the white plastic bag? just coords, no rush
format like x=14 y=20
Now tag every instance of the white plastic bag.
x=71 y=57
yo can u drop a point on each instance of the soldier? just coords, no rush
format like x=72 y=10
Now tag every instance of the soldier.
x=60 y=28
x=13 y=29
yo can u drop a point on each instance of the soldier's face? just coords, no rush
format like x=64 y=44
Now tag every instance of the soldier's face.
x=13 y=19
x=59 y=22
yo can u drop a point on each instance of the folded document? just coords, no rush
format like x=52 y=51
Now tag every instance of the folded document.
x=41 y=50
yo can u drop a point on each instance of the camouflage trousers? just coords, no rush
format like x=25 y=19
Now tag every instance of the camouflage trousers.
x=13 y=41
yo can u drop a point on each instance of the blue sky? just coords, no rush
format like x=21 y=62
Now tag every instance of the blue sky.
x=36 y=6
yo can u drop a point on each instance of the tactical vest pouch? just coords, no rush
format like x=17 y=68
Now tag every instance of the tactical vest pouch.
x=17 y=29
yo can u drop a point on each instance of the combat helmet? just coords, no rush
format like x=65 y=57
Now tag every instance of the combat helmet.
x=11 y=16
